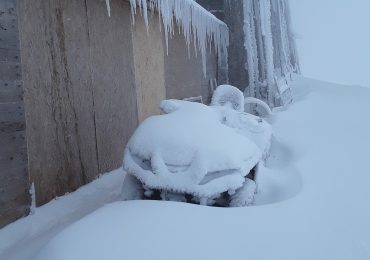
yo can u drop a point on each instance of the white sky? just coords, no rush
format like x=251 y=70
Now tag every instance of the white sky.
x=333 y=39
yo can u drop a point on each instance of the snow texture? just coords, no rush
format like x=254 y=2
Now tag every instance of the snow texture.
x=23 y=239
x=197 y=24
x=183 y=152
x=318 y=171
x=228 y=96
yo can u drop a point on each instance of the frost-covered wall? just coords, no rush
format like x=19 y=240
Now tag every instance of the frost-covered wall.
x=262 y=53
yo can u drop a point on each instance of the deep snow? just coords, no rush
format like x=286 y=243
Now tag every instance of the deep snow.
x=313 y=201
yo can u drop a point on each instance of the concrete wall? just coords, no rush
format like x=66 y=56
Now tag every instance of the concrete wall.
x=14 y=184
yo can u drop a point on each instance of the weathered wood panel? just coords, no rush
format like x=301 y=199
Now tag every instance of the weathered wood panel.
x=56 y=93
x=113 y=80
x=80 y=93
x=184 y=70
x=14 y=184
x=11 y=91
x=149 y=66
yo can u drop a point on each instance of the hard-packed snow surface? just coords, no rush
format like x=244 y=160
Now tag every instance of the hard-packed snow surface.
x=190 y=151
x=198 y=25
x=313 y=200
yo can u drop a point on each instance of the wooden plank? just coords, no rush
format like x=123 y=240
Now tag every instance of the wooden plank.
x=8 y=25
x=10 y=91
x=10 y=70
x=13 y=152
x=9 y=55
x=11 y=113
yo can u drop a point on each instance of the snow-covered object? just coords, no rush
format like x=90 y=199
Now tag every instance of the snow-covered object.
x=197 y=24
x=228 y=96
x=253 y=102
x=190 y=151
x=253 y=127
x=229 y=103
x=245 y=195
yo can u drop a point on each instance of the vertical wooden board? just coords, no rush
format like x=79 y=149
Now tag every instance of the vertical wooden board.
x=113 y=79
x=11 y=91
x=78 y=69
x=14 y=184
x=8 y=25
x=184 y=70
x=60 y=130
x=149 y=66
x=183 y=73
x=234 y=18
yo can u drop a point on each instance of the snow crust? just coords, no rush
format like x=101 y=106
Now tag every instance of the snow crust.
x=197 y=24
x=190 y=151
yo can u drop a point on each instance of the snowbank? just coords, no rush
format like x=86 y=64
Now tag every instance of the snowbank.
x=325 y=136
x=23 y=238
x=322 y=148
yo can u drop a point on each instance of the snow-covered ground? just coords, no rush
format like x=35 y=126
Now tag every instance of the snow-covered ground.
x=313 y=201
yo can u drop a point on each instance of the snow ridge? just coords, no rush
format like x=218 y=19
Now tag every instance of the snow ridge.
x=196 y=23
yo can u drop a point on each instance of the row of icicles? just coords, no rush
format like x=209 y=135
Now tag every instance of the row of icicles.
x=196 y=24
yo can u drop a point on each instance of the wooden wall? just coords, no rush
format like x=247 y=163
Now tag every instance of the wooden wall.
x=80 y=93
x=14 y=184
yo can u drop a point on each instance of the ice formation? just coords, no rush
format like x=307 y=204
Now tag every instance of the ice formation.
x=197 y=24
x=250 y=44
x=265 y=8
x=107 y=3
x=270 y=50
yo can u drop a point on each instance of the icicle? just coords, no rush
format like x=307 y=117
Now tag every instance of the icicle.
x=265 y=7
x=33 y=199
x=107 y=3
x=250 y=44
x=196 y=24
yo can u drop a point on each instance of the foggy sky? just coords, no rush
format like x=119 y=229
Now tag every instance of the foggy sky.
x=333 y=39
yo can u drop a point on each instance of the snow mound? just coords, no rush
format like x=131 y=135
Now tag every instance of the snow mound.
x=189 y=151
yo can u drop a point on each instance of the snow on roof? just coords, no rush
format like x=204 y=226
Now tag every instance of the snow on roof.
x=196 y=23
